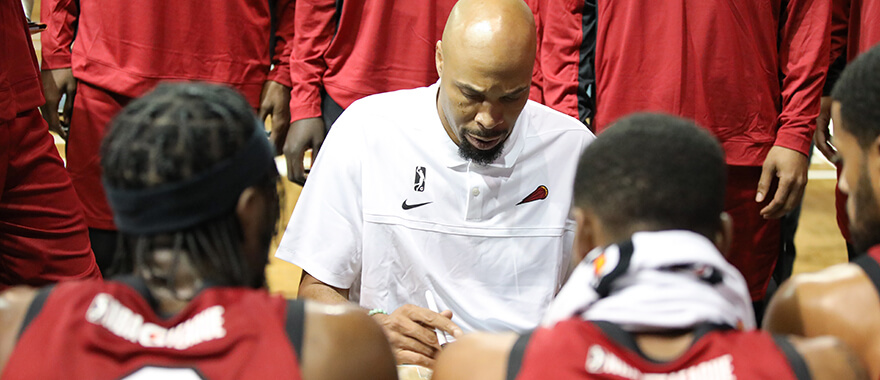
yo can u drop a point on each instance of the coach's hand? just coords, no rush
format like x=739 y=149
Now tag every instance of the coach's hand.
x=275 y=101
x=56 y=83
x=304 y=134
x=822 y=137
x=410 y=329
x=790 y=167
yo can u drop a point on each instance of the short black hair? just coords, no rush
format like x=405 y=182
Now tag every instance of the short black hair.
x=172 y=134
x=654 y=172
x=858 y=91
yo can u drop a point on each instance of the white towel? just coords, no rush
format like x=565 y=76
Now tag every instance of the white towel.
x=656 y=281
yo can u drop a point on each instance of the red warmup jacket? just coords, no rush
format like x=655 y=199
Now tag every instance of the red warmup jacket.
x=859 y=21
x=127 y=47
x=855 y=27
x=563 y=65
x=750 y=71
x=20 y=88
x=380 y=46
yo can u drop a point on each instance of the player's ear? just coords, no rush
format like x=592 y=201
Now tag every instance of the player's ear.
x=250 y=211
x=724 y=235
x=585 y=234
x=438 y=57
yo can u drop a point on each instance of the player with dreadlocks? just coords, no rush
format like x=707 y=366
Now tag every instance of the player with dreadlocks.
x=190 y=176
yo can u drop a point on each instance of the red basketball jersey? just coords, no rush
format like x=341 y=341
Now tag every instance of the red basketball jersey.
x=575 y=349
x=109 y=330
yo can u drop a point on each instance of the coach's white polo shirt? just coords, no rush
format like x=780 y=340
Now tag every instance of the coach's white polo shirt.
x=391 y=210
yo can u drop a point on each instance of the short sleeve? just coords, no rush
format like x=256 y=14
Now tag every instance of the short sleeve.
x=324 y=234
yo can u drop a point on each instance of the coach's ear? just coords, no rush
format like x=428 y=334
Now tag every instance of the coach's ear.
x=585 y=234
x=438 y=58
x=724 y=235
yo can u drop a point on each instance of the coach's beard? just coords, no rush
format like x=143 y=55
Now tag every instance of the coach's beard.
x=476 y=155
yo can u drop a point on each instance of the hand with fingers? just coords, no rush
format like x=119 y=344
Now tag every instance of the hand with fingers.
x=304 y=134
x=275 y=101
x=56 y=83
x=411 y=331
x=822 y=137
x=790 y=167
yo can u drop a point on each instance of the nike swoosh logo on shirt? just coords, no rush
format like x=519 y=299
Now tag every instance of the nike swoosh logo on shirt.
x=407 y=206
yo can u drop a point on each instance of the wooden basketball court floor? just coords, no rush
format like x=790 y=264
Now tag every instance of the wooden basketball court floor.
x=818 y=240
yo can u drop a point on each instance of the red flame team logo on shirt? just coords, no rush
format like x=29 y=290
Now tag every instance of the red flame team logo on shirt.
x=540 y=193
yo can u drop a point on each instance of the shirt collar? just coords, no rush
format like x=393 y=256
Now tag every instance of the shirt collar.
x=448 y=150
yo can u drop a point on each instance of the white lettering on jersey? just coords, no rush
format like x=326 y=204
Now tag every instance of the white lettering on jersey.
x=108 y=312
x=600 y=361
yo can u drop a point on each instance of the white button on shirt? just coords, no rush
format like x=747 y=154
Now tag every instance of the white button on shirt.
x=391 y=210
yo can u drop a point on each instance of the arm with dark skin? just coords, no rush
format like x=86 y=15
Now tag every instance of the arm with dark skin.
x=304 y=134
x=476 y=356
x=314 y=30
x=14 y=304
x=61 y=17
x=410 y=328
x=804 y=53
x=828 y=358
x=341 y=342
x=58 y=83
x=275 y=97
x=840 y=12
x=839 y=301
x=275 y=101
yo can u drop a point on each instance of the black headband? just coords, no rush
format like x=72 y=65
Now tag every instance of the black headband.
x=207 y=195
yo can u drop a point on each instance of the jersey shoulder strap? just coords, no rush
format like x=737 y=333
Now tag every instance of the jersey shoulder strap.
x=795 y=360
x=871 y=268
x=514 y=361
x=295 y=321
x=35 y=307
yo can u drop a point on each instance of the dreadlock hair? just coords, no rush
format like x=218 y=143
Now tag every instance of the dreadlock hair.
x=173 y=133
x=654 y=172
x=858 y=91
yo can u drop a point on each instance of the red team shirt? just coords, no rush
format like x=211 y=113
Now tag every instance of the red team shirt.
x=329 y=49
x=750 y=71
x=127 y=47
x=856 y=27
x=122 y=49
x=20 y=88
x=560 y=30
x=577 y=349
x=108 y=330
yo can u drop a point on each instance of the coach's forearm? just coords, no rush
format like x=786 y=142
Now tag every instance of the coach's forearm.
x=313 y=289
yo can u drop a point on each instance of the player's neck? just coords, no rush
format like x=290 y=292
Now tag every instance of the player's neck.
x=172 y=295
x=664 y=347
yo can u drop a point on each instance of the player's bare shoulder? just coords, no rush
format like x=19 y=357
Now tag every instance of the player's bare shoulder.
x=14 y=304
x=829 y=358
x=820 y=303
x=841 y=301
x=343 y=342
x=476 y=356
